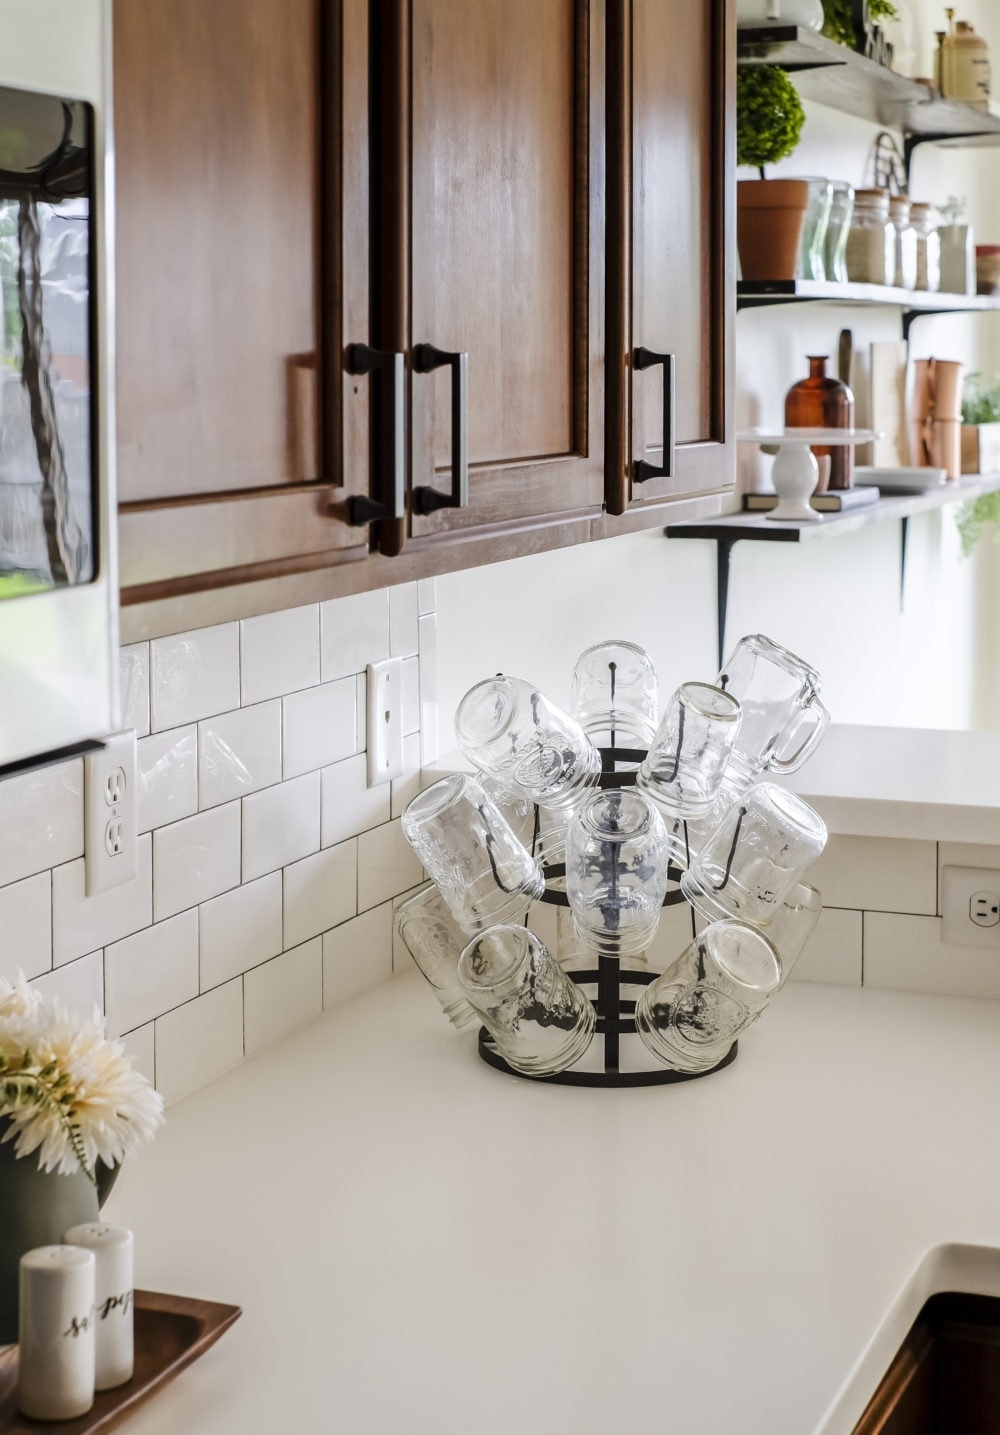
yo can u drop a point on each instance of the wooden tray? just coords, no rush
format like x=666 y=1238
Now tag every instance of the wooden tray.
x=170 y=1332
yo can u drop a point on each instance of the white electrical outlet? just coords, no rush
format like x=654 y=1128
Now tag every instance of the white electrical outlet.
x=970 y=907
x=385 y=720
x=110 y=835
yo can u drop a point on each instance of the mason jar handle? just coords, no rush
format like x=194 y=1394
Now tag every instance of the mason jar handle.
x=426 y=358
x=363 y=359
x=816 y=719
x=642 y=470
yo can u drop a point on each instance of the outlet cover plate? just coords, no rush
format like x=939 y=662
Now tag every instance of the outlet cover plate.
x=385 y=720
x=958 y=887
x=110 y=835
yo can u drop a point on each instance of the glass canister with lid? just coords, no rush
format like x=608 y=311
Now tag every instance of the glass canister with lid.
x=837 y=229
x=905 y=241
x=924 y=222
x=871 y=242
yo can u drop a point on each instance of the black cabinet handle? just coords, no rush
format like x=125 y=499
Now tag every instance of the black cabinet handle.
x=426 y=358
x=361 y=359
x=643 y=471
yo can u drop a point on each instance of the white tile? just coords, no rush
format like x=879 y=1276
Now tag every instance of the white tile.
x=879 y=874
x=280 y=825
x=358 y=955
x=362 y=682
x=355 y=633
x=411 y=695
x=320 y=891
x=833 y=951
x=150 y=973
x=199 y=1041
x=79 y=985
x=386 y=865
x=81 y=923
x=140 y=1048
x=239 y=753
x=41 y=820
x=26 y=924
x=240 y=930
x=405 y=788
x=193 y=675
x=403 y=615
x=319 y=726
x=426 y=595
x=196 y=859
x=906 y=954
x=428 y=688
x=280 y=653
x=281 y=995
x=167 y=777
x=350 y=806
x=133 y=685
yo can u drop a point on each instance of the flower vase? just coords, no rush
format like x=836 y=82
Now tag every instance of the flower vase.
x=36 y=1209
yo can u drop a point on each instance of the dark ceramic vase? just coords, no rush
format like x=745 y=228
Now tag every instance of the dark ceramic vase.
x=36 y=1209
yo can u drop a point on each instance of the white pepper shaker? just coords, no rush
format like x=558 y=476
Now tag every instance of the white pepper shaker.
x=112 y=1247
x=56 y=1332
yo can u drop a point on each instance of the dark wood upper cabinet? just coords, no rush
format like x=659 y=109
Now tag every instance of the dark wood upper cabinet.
x=489 y=223
x=240 y=437
x=671 y=247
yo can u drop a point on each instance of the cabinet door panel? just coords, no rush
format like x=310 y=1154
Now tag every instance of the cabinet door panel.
x=505 y=204
x=673 y=165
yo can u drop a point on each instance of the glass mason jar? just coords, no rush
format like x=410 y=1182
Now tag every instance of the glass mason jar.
x=616 y=872
x=812 y=263
x=905 y=242
x=871 y=243
x=837 y=230
x=924 y=223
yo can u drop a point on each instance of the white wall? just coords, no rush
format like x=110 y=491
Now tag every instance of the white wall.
x=837 y=603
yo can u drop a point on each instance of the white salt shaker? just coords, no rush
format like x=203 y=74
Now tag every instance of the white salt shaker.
x=56 y=1332
x=112 y=1247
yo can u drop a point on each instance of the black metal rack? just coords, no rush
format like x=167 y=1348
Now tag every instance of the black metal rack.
x=615 y=1008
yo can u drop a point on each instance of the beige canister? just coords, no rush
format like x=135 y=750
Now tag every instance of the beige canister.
x=965 y=66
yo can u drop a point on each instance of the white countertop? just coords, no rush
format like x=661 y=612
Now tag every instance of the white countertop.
x=423 y=1244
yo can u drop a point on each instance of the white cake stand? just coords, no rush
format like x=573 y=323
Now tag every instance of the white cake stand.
x=796 y=472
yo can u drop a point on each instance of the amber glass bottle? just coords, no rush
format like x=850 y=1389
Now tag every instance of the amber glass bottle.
x=822 y=402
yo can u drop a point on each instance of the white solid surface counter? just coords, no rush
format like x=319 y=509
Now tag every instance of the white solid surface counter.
x=420 y=1243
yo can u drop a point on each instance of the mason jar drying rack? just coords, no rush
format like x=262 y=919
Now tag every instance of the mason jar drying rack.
x=615 y=1009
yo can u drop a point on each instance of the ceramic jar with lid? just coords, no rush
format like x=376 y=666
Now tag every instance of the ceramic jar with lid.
x=871 y=242
x=924 y=223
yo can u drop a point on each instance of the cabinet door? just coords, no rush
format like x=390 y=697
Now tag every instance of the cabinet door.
x=237 y=449
x=490 y=238
x=671 y=247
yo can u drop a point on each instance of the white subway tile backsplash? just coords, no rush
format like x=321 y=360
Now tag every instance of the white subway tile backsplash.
x=199 y=1041
x=426 y=595
x=350 y=806
x=878 y=874
x=320 y=892
x=26 y=924
x=133 y=685
x=355 y=632
x=41 y=819
x=406 y=787
x=151 y=973
x=140 y=1048
x=358 y=955
x=281 y=653
x=196 y=859
x=403 y=615
x=167 y=777
x=282 y=995
x=239 y=753
x=240 y=929
x=428 y=688
x=411 y=695
x=833 y=951
x=906 y=953
x=79 y=985
x=319 y=727
x=81 y=924
x=280 y=825
x=386 y=865
x=194 y=675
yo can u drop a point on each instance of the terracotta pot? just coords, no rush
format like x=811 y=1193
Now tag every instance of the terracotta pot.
x=769 y=218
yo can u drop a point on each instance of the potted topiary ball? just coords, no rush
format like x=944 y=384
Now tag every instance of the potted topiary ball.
x=769 y=212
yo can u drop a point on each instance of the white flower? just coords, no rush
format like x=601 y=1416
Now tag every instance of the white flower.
x=67 y=1091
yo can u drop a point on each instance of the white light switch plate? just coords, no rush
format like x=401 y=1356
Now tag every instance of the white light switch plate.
x=110 y=836
x=385 y=720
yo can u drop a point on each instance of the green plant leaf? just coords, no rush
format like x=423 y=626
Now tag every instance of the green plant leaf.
x=769 y=115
